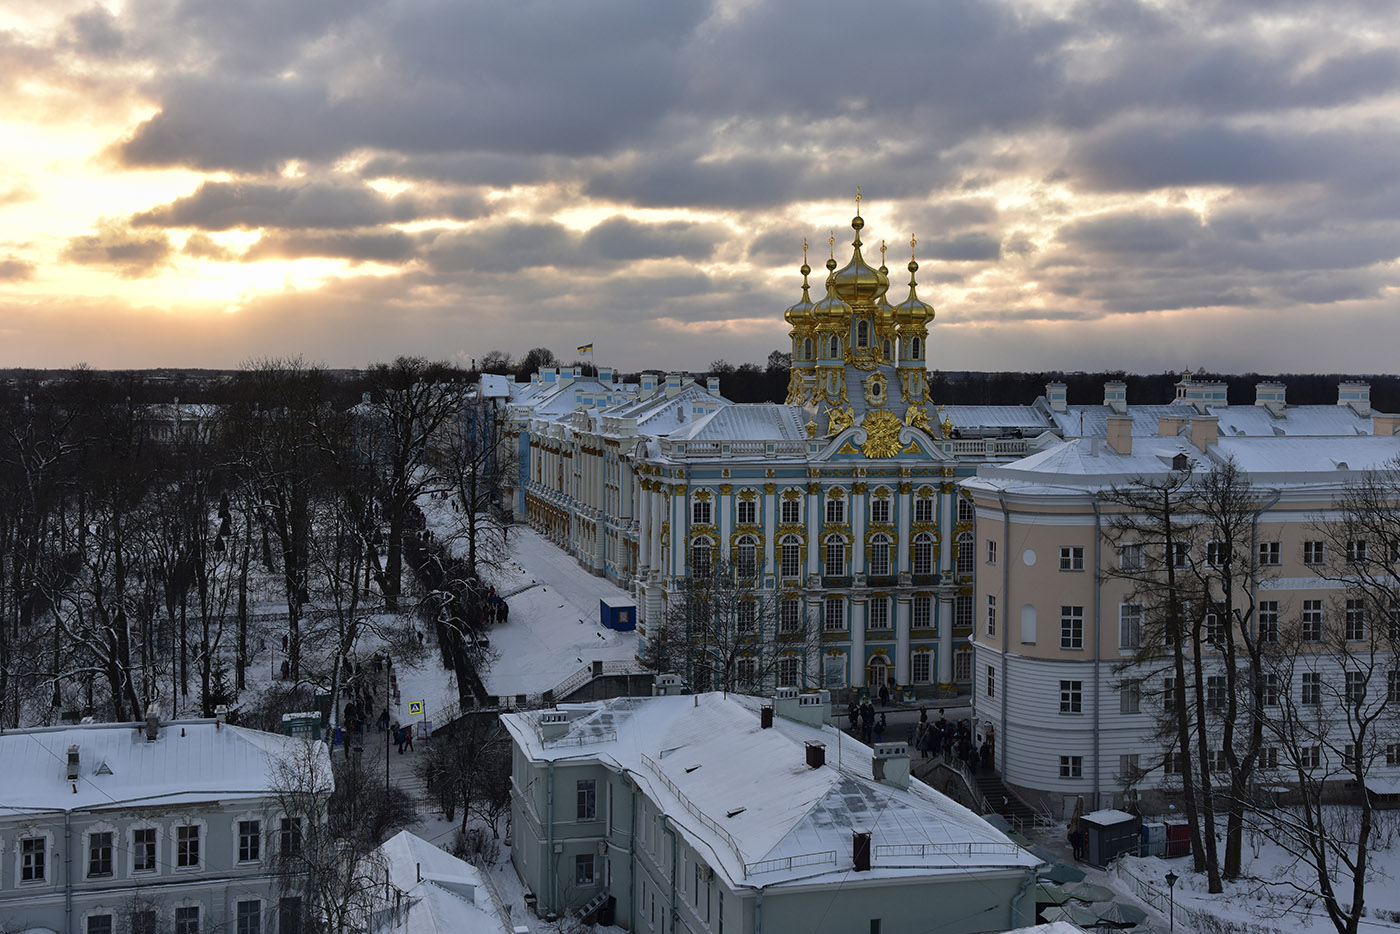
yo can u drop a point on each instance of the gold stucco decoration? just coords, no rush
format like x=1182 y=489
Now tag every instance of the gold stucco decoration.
x=838 y=420
x=916 y=417
x=882 y=434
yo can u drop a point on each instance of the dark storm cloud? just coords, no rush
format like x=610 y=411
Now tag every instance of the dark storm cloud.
x=203 y=246
x=132 y=254
x=379 y=246
x=95 y=32
x=240 y=205
x=1151 y=232
x=618 y=238
x=973 y=246
x=13 y=270
x=513 y=245
x=753 y=181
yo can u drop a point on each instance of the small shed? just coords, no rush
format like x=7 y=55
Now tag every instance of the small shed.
x=1111 y=834
x=619 y=613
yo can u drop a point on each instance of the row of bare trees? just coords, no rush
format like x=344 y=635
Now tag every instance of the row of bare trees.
x=151 y=551
x=1252 y=694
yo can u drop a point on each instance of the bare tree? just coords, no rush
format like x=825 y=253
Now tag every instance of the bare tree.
x=467 y=770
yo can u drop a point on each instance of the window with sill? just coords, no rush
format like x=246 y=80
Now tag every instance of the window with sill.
x=923 y=613
x=748 y=512
x=1311 y=689
x=1071 y=766
x=747 y=617
x=1268 y=621
x=879 y=613
x=187 y=919
x=248 y=917
x=923 y=554
x=991 y=627
x=1356 y=688
x=835 y=508
x=789 y=616
x=991 y=681
x=587 y=799
x=1270 y=554
x=792 y=511
x=1178 y=554
x=1071 y=696
x=966 y=511
x=1269 y=689
x=700 y=512
x=833 y=614
x=1071 y=627
x=1355 y=620
x=289 y=834
x=249 y=841
x=1312 y=620
x=99 y=854
x=700 y=558
x=99 y=924
x=1130 y=557
x=583 y=869
x=880 y=511
x=1130 y=697
x=746 y=555
x=923 y=509
x=1314 y=552
x=1357 y=550
x=880 y=556
x=991 y=551
x=187 y=846
x=964 y=557
x=791 y=548
x=33 y=864
x=962 y=665
x=787 y=671
x=1216 y=553
x=1130 y=626
x=1071 y=558
x=922 y=668
x=289 y=914
x=834 y=563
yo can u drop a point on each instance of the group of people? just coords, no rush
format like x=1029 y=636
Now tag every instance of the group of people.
x=871 y=727
x=932 y=737
x=402 y=736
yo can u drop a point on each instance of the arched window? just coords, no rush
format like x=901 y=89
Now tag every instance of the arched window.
x=880 y=556
x=700 y=558
x=835 y=506
x=880 y=507
x=923 y=554
x=923 y=506
x=835 y=557
x=915 y=349
x=791 y=547
x=807 y=349
x=965 y=554
x=863 y=334
x=888 y=351
x=746 y=556
x=836 y=347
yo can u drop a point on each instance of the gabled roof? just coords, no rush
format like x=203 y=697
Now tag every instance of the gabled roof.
x=745 y=795
x=443 y=894
x=762 y=421
x=190 y=761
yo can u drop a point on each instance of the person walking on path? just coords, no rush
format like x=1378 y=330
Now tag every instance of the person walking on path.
x=884 y=695
x=407 y=738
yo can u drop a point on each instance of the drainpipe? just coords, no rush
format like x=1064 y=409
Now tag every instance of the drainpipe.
x=632 y=857
x=671 y=832
x=1098 y=639
x=758 y=912
x=68 y=871
x=1005 y=625
x=1016 y=902
x=549 y=837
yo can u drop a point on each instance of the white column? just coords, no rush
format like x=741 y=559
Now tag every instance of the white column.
x=901 y=640
x=771 y=504
x=644 y=533
x=814 y=546
x=857 y=623
x=725 y=523
x=945 y=641
x=903 y=509
x=858 y=506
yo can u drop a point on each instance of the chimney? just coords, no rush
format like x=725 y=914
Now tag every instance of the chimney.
x=890 y=764
x=1385 y=425
x=535 y=378
x=811 y=709
x=712 y=385
x=578 y=372
x=1356 y=395
x=553 y=724
x=1115 y=395
x=648 y=383
x=220 y=715
x=1169 y=426
x=667 y=685
x=1057 y=395
x=765 y=717
x=816 y=754
x=605 y=374
x=549 y=376
x=1120 y=433
x=860 y=850
x=673 y=383
x=152 y=722
x=1270 y=395
x=1205 y=431
x=73 y=762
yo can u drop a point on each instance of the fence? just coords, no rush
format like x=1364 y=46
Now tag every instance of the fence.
x=691 y=807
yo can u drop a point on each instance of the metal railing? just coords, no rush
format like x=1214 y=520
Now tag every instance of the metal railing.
x=790 y=862
x=690 y=806
x=965 y=848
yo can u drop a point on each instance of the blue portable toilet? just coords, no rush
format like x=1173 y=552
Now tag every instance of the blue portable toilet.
x=618 y=613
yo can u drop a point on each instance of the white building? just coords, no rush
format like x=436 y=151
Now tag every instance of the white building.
x=110 y=828
x=434 y=892
x=709 y=813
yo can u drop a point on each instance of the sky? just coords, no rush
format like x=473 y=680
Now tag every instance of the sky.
x=1110 y=184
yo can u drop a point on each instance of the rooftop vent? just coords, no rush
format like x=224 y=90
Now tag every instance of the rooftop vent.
x=72 y=762
x=553 y=724
x=816 y=754
x=765 y=717
x=152 y=722
x=860 y=850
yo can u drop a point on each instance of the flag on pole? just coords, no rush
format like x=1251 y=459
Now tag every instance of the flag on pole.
x=585 y=348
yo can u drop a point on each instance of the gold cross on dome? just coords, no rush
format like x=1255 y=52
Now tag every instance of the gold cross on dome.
x=912 y=243
x=804 y=251
x=857 y=200
x=882 y=252
x=831 y=241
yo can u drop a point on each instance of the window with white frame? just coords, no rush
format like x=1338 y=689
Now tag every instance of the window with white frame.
x=833 y=614
x=834 y=563
x=966 y=511
x=33 y=859
x=583 y=869
x=834 y=670
x=923 y=554
x=1071 y=766
x=921 y=669
x=879 y=609
x=962 y=611
x=100 y=847
x=1129 y=767
x=1130 y=697
x=748 y=512
x=792 y=510
x=187 y=845
x=1178 y=554
x=700 y=552
x=1071 y=558
x=923 y=612
x=1169 y=694
x=880 y=509
x=991 y=614
x=249 y=841
x=248 y=917
x=1268 y=757
x=1268 y=621
x=1312 y=689
x=923 y=508
x=1130 y=556
x=746 y=672
x=1270 y=554
x=1269 y=689
x=1215 y=628
x=991 y=681
x=187 y=919
x=747 y=617
x=1071 y=696
x=1357 y=550
x=1215 y=692
x=700 y=512
x=991 y=551
x=1310 y=757
x=835 y=506
x=1355 y=620
x=789 y=616
x=1314 y=552
x=1130 y=626
x=1312 y=620
x=787 y=671
x=791 y=549
x=964 y=558
x=1216 y=552
x=880 y=556
x=1071 y=627
x=586 y=805
x=289 y=837
x=1356 y=688
x=746 y=556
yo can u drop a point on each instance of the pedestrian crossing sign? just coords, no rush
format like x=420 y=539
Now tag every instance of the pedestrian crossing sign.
x=415 y=708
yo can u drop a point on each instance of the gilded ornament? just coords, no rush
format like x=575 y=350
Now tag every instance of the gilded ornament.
x=839 y=420
x=726 y=488
x=796 y=388
x=811 y=428
x=905 y=488
x=876 y=390
x=916 y=417
x=881 y=434
x=911 y=448
x=859 y=488
x=770 y=488
x=848 y=448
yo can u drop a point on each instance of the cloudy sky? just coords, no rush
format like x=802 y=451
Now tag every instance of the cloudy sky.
x=1183 y=183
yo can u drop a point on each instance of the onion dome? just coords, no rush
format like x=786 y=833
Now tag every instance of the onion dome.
x=831 y=308
x=911 y=312
x=883 y=309
x=801 y=313
x=858 y=281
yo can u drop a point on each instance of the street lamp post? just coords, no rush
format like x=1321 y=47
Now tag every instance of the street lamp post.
x=1171 y=895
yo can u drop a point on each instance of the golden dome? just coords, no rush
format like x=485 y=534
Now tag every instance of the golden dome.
x=801 y=313
x=858 y=281
x=911 y=312
x=831 y=308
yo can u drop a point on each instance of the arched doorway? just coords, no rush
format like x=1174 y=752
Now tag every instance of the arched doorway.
x=877 y=672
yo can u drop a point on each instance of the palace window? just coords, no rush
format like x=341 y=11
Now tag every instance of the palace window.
x=700 y=512
x=923 y=509
x=863 y=334
x=991 y=681
x=187 y=920
x=966 y=511
x=965 y=557
x=791 y=548
x=923 y=613
x=747 y=616
x=880 y=556
x=834 y=671
x=1215 y=692
x=962 y=611
x=789 y=616
x=879 y=613
x=880 y=510
x=1178 y=554
x=792 y=511
x=746 y=555
x=962 y=666
x=787 y=671
x=923 y=554
x=833 y=614
x=922 y=669
x=249 y=917
x=700 y=558
x=835 y=507
x=915 y=349
x=748 y=512
x=835 y=557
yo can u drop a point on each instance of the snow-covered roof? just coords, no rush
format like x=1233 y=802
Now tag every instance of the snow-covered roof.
x=189 y=762
x=1087 y=421
x=494 y=386
x=746 y=796
x=443 y=894
x=753 y=422
x=1024 y=418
